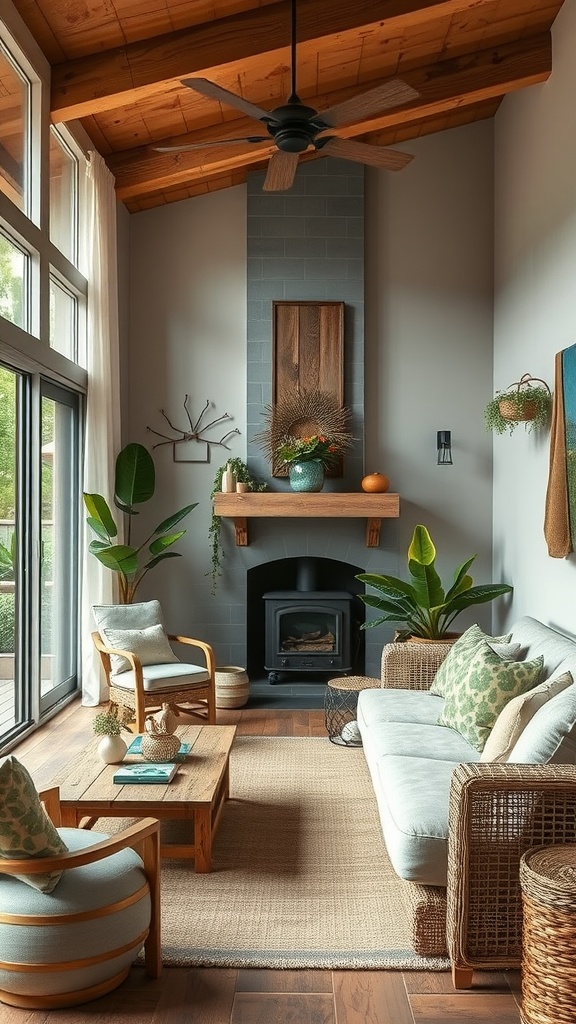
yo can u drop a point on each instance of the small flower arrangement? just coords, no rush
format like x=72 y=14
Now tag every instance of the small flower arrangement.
x=317 y=447
x=107 y=724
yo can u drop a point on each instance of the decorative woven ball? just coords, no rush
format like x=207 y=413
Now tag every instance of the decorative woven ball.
x=351 y=734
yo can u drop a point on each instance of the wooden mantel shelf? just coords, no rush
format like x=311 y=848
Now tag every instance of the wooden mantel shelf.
x=319 y=505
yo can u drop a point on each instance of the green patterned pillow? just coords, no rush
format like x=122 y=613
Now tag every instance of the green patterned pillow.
x=456 y=661
x=485 y=688
x=25 y=828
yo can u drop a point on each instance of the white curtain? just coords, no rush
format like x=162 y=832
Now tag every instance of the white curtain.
x=102 y=440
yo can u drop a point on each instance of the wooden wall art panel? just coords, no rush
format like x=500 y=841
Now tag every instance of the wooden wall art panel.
x=307 y=356
x=308 y=348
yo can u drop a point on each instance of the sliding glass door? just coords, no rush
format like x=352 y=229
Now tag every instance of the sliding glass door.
x=59 y=543
x=39 y=492
x=13 y=708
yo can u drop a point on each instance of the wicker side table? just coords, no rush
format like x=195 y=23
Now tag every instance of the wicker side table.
x=548 y=884
x=340 y=704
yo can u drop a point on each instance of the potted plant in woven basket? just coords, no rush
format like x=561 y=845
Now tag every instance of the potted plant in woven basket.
x=424 y=605
x=527 y=401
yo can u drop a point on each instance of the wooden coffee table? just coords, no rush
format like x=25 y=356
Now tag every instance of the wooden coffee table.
x=197 y=792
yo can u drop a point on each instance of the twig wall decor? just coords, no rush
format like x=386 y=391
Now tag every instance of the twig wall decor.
x=194 y=435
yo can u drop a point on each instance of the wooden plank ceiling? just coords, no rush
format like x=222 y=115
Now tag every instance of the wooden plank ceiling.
x=117 y=65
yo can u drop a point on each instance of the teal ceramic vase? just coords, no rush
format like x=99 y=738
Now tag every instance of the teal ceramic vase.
x=306 y=476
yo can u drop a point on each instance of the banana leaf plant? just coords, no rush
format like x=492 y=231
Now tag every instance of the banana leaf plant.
x=135 y=483
x=426 y=608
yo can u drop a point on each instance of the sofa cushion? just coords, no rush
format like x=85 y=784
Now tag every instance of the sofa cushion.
x=550 y=736
x=451 y=669
x=486 y=684
x=516 y=714
x=395 y=705
x=25 y=829
x=413 y=796
x=428 y=741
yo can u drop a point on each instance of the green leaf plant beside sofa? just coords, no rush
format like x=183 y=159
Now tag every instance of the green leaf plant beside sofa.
x=427 y=609
x=471 y=749
x=134 y=484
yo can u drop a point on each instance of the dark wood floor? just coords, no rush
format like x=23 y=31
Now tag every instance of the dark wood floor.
x=219 y=996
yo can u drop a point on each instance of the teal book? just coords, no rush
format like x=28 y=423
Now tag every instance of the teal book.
x=136 y=747
x=138 y=774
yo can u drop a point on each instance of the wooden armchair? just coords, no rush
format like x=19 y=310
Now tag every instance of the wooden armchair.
x=143 y=675
x=77 y=943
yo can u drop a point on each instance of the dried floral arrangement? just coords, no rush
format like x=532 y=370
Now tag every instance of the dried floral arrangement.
x=301 y=415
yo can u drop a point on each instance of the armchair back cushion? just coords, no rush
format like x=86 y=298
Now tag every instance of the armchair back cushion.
x=25 y=829
x=150 y=645
x=137 y=628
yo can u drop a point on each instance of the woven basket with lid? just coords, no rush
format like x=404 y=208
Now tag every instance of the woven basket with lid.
x=548 y=884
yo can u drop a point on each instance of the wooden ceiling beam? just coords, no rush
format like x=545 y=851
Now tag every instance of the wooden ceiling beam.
x=444 y=86
x=103 y=81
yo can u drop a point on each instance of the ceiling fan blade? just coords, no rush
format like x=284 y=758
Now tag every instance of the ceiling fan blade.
x=390 y=94
x=212 y=142
x=215 y=92
x=281 y=171
x=361 y=152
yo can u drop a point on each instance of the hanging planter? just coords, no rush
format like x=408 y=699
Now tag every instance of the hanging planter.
x=527 y=401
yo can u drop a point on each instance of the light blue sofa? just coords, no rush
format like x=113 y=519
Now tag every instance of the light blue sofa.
x=412 y=759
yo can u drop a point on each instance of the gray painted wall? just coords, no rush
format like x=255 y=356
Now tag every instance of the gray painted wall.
x=535 y=317
x=428 y=365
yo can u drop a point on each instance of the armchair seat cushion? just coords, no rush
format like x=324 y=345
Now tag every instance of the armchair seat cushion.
x=157 y=678
x=85 y=933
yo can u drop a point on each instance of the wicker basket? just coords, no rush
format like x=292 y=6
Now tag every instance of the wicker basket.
x=548 y=883
x=232 y=686
x=511 y=410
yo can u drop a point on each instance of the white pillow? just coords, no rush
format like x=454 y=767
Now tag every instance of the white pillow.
x=549 y=737
x=514 y=717
x=150 y=645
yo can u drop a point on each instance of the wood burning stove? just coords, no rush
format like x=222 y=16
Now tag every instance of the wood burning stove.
x=307 y=630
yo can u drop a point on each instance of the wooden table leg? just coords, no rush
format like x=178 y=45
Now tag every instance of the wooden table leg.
x=203 y=839
x=69 y=816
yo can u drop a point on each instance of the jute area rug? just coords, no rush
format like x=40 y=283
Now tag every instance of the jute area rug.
x=301 y=877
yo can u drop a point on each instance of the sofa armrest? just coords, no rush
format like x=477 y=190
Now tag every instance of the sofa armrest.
x=411 y=666
x=497 y=812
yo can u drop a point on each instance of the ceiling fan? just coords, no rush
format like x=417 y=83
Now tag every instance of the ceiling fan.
x=295 y=128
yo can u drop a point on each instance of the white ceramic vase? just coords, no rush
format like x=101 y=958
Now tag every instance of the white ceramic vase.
x=112 y=749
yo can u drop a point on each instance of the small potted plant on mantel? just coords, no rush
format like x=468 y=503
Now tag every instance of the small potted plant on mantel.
x=527 y=401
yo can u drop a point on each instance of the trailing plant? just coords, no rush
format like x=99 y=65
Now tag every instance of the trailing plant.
x=424 y=605
x=523 y=402
x=243 y=476
x=135 y=483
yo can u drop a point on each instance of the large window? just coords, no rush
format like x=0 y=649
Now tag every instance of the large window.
x=38 y=582
x=14 y=131
x=14 y=277
x=42 y=333
x=63 y=195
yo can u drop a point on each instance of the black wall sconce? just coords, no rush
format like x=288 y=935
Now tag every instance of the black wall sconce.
x=444 y=447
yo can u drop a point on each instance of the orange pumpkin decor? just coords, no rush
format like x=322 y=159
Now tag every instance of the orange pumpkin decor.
x=375 y=483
